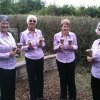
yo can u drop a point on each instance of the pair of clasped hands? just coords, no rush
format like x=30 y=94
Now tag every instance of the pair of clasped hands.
x=62 y=44
x=30 y=44
x=89 y=55
x=16 y=50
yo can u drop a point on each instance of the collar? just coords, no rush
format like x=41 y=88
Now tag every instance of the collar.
x=98 y=41
x=1 y=34
x=68 y=34
x=27 y=31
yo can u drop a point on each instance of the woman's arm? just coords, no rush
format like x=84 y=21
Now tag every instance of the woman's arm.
x=22 y=41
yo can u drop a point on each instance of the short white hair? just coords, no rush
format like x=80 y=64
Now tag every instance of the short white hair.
x=31 y=16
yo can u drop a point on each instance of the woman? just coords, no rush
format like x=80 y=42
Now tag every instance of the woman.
x=33 y=43
x=65 y=43
x=94 y=58
x=7 y=61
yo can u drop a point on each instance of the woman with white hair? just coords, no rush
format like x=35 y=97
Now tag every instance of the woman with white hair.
x=32 y=43
x=65 y=43
x=93 y=56
x=7 y=61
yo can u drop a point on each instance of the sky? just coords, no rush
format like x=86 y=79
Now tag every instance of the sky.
x=75 y=3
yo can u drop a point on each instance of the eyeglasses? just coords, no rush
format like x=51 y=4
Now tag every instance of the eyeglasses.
x=32 y=21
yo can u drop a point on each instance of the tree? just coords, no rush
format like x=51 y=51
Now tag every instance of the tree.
x=26 y=6
x=68 y=10
x=92 y=11
x=5 y=6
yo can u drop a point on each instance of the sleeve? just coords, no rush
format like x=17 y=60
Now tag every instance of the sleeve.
x=95 y=53
x=7 y=55
x=13 y=40
x=4 y=55
x=75 y=45
x=93 y=46
x=22 y=41
x=43 y=44
x=56 y=44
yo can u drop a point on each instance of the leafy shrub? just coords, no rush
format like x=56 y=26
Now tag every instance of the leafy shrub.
x=83 y=27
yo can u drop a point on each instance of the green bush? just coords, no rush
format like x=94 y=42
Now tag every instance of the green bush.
x=83 y=27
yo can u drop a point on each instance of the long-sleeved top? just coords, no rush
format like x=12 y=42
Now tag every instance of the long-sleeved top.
x=7 y=42
x=36 y=52
x=66 y=55
x=95 y=70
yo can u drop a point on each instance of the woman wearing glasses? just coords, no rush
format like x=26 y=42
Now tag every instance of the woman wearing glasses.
x=7 y=61
x=33 y=43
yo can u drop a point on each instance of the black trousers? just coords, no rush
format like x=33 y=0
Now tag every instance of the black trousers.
x=67 y=79
x=7 y=84
x=95 y=85
x=35 y=77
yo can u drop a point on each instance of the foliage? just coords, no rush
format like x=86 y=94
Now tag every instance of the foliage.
x=28 y=5
x=91 y=11
x=5 y=6
x=38 y=7
x=20 y=7
x=84 y=28
x=67 y=10
x=50 y=10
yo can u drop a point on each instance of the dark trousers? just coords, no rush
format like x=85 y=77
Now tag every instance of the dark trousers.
x=95 y=85
x=35 y=77
x=7 y=84
x=67 y=79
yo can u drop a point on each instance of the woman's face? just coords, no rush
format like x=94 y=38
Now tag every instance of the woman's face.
x=65 y=28
x=31 y=23
x=4 y=26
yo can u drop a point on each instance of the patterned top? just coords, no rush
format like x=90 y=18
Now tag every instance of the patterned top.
x=7 y=42
x=66 y=55
x=37 y=52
